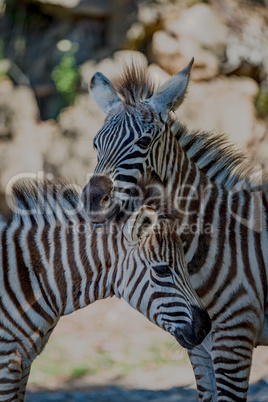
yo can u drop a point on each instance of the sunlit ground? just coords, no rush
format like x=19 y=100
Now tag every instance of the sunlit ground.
x=109 y=343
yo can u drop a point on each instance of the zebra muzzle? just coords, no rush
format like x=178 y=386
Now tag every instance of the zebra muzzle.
x=97 y=200
x=194 y=333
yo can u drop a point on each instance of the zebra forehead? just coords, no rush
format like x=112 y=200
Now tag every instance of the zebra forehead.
x=129 y=120
x=135 y=83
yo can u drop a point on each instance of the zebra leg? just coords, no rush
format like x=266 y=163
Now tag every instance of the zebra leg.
x=204 y=374
x=232 y=363
x=10 y=376
x=263 y=335
x=24 y=380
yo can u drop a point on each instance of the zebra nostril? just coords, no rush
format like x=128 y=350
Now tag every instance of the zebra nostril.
x=201 y=334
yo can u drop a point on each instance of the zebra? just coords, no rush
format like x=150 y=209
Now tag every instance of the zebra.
x=221 y=208
x=54 y=262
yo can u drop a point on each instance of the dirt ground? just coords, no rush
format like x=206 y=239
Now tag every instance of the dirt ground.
x=110 y=347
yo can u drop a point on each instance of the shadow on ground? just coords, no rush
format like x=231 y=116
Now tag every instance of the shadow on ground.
x=114 y=394
x=258 y=392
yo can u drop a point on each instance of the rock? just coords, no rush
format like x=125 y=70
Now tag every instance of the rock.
x=246 y=42
x=148 y=14
x=159 y=76
x=223 y=105
x=70 y=154
x=6 y=128
x=174 y=54
x=202 y=25
x=149 y=19
x=21 y=140
x=167 y=53
x=30 y=148
x=248 y=48
x=196 y=32
x=259 y=146
x=24 y=155
x=136 y=36
x=19 y=103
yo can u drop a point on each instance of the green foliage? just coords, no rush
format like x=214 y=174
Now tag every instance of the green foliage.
x=2 y=7
x=104 y=361
x=65 y=76
x=261 y=102
x=3 y=64
x=81 y=371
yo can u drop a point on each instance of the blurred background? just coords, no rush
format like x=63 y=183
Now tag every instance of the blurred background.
x=49 y=50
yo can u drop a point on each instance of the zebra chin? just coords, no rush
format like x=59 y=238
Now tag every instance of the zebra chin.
x=193 y=334
x=103 y=219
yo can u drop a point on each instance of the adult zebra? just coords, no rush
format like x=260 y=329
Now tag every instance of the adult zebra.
x=222 y=216
x=54 y=262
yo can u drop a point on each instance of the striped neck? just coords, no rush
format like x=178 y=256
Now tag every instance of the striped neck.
x=55 y=253
x=213 y=205
x=57 y=257
x=67 y=262
x=187 y=187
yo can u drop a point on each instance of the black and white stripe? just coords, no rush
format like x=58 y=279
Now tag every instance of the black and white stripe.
x=222 y=212
x=54 y=262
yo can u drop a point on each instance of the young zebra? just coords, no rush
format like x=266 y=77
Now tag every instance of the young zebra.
x=54 y=262
x=222 y=216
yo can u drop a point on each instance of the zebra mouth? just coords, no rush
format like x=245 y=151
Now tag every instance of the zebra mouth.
x=182 y=340
x=104 y=219
x=189 y=337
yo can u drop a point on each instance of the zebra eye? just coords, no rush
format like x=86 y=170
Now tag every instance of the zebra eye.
x=144 y=141
x=162 y=270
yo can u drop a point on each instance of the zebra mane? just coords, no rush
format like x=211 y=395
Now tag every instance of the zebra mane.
x=135 y=83
x=217 y=157
x=53 y=199
x=57 y=200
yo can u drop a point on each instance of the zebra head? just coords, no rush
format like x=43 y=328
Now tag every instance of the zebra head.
x=155 y=281
x=133 y=126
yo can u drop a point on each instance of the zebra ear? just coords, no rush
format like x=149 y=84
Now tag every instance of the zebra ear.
x=144 y=223
x=103 y=93
x=170 y=95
